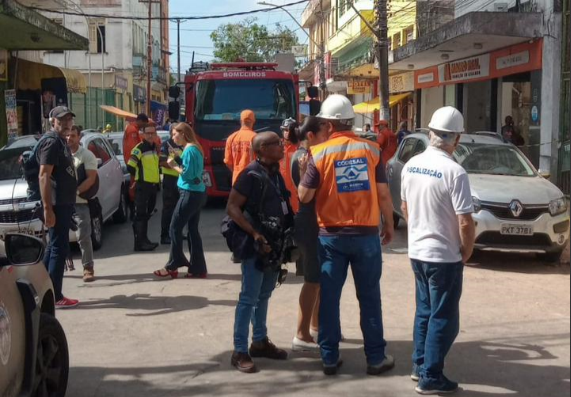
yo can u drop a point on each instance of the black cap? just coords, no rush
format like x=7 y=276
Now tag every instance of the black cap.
x=143 y=117
x=60 y=111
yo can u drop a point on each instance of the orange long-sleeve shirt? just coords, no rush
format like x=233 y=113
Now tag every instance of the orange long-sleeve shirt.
x=285 y=169
x=239 y=151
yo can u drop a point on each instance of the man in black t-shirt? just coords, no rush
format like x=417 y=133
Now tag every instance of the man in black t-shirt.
x=58 y=187
x=258 y=281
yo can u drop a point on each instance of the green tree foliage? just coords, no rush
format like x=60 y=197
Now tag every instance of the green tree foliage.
x=251 y=42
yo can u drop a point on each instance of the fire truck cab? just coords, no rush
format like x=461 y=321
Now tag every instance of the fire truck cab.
x=217 y=94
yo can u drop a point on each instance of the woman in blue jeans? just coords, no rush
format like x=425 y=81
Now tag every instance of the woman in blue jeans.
x=187 y=212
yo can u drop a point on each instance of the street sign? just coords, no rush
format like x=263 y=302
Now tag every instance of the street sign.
x=299 y=51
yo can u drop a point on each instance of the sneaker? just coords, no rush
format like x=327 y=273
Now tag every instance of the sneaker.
x=300 y=346
x=387 y=364
x=66 y=303
x=430 y=387
x=243 y=363
x=266 y=349
x=88 y=274
x=331 y=370
x=415 y=374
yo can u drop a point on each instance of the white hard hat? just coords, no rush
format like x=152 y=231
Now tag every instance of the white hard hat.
x=337 y=107
x=447 y=119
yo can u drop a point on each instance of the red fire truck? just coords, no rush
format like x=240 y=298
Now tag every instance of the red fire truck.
x=217 y=95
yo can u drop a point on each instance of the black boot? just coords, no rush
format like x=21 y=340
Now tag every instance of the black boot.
x=142 y=244
x=145 y=236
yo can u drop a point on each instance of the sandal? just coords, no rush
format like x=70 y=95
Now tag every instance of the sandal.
x=164 y=273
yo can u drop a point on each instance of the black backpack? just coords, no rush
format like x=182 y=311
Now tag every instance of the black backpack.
x=31 y=167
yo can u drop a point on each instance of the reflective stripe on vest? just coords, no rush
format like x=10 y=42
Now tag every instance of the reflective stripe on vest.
x=347 y=196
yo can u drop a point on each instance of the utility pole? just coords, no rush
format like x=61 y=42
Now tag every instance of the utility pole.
x=381 y=32
x=322 y=74
x=178 y=48
x=383 y=54
x=150 y=58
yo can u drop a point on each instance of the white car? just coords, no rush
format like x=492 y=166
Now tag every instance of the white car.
x=18 y=214
x=516 y=209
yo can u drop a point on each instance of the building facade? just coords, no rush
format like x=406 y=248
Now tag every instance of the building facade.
x=489 y=63
x=115 y=66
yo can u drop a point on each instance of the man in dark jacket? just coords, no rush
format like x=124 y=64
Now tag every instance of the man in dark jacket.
x=261 y=180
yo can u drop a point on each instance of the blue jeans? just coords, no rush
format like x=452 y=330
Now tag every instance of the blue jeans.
x=437 y=323
x=257 y=288
x=187 y=213
x=364 y=255
x=57 y=250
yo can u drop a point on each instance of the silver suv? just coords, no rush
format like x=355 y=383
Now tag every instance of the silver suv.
x=34 y=359
x=516 y=209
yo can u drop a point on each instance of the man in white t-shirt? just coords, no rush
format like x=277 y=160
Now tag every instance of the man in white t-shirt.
x=437 y=202
x=82 y=156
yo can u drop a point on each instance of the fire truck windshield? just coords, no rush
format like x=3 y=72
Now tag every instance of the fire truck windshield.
x=224 y=100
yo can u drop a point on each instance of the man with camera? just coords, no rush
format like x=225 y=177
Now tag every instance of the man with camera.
x=259 y=206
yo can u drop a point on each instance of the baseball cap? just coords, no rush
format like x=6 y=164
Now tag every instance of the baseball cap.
x=248 y=115
x=143 y=117
x=60 y=111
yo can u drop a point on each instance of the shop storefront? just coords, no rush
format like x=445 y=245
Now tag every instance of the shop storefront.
x=29 y=89
x=489 y=88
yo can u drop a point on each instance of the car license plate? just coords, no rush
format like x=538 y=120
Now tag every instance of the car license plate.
x=517 y=230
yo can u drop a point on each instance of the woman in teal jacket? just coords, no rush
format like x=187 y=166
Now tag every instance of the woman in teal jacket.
x=187 y=212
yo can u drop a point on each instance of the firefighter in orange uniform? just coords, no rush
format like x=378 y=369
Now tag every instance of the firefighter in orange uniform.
x=291 y=145
x=239 y=153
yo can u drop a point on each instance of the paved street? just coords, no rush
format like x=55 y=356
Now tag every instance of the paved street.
x=137 y=337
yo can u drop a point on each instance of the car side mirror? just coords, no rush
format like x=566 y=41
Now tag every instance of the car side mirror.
x=22 y=249
x=545 y=174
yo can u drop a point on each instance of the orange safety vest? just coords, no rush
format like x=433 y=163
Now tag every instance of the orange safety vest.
x=239 y=152
x=347 y=196
x=285 y=170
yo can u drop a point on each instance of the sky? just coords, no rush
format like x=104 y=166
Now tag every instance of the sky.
x=195 y=35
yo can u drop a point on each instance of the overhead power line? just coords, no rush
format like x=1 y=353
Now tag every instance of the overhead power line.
x=189 y=18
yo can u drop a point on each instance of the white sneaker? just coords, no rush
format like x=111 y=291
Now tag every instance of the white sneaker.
x=315 y=335
x=301 y=346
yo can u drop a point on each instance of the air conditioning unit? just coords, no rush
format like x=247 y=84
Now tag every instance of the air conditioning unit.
x=501 y=7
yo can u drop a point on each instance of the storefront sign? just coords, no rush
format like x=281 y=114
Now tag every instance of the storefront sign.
x=509 y=61
x=359 y=87
x=465 y=69
x=139 y=94
x=401 y=83
x=520 y=58
x=11 y=112
x=3 y=65
x=121 y=83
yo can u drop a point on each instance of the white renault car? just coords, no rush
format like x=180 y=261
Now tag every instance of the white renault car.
x=19 y=215
x=516 y=209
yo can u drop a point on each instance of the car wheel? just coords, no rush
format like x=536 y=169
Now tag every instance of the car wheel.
x=396 y=219
x=52 y=360
x=97 y=232
x=120 y=216
x=550 y=257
